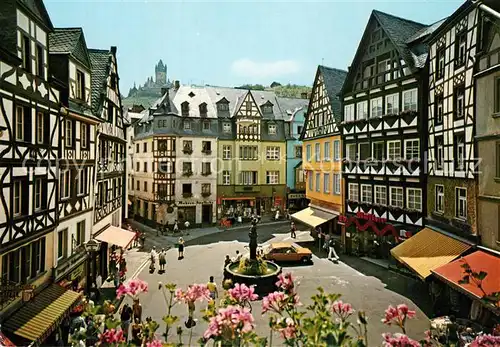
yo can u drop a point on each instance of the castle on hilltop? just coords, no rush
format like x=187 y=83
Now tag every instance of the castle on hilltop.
x=152 y=87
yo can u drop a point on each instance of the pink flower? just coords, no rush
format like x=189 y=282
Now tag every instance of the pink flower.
x=273 y=302
x=111 y=336
x=242 y=293
x=399 y=340
x=398 y=315
x=154 y=343
x=486 y=341
x=343 y=310
x=230 y=322
x=195 y=292
x=121 y=291
x=287 y=328
x=132 y=287
x=285 y=282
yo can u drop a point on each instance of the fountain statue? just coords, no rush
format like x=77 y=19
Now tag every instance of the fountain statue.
x=253 y=240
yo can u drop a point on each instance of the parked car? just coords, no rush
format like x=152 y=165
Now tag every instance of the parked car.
x=288 y=252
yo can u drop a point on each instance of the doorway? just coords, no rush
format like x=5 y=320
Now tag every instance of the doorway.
x=206 y=214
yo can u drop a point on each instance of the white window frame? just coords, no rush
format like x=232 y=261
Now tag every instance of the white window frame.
x=83 y=135
x=383 y=150
x=353 y=192
x=226 y=152
x=348 y=147
x=226 y=177
x=82 y=182
x=310 y=180
x=326 y=183
x=318 y=182
x=337 y=181
x=186 y=124
x=68 y=133
x=439 y=108
x=226 y=127
x=362 y=110
x=336 y=150
x=413 y=103
x=17 y=194
x=439 y=153
x=272 y=177
x=20 y=119
x=40 y=127
x=317 y=152
x=394 y=109
x=439 y=198
x=349 y=113
x=412 y=143
x=460 y=111
x=326 y=151
x=308 y=153
x=413 y=195
x=271 y=128
x=380 y=195
x=273 y=153
x=395 y=155
x=365 y=144
x=391 y=198
x=376 y=104
x=460 y=155
x=366 y=189
x=65 y=182
x=458 y=200
x=37 y=190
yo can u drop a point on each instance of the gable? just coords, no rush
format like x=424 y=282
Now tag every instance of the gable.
x=248 y=108
x=81 y=53
x=38 y=10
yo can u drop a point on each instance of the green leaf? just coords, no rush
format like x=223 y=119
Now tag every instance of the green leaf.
x=170 y=320
x=480 y=276
x=465 y=280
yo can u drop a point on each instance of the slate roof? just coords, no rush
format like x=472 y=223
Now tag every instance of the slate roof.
x=70 y=41
x=101 y=61
x=334 y=80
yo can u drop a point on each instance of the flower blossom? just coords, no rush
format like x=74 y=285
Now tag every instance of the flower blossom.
x=343 y=310
x=154 y=343
x=242 y=293
x=287 y=328
x=399 y=340
x=273 y=302
x=194 y=292
x=230 y=322
x=486 y=341
x=398 y=315
x=111 y=336
x=133 y=288
x=286 y=282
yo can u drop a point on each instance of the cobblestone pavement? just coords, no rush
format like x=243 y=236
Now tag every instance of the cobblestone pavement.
x=366 y=286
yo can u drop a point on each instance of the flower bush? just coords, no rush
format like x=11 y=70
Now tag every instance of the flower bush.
x=327 y=321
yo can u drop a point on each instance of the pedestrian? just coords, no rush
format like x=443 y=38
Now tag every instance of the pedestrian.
x=137 y=238
x=137 y=310
x=125 y=317
x=227 y=261
x=237 y=258
x=152 y=256
x=212 y=288
x=136 y=330
x=293 y=229
x=186 y=224
x=181 y=248
x=332 y=255
x=162 y=259
x=176 y=226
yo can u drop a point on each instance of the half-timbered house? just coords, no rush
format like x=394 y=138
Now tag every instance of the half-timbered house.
x=383 y=132
x=322 y=154
x=70 y=64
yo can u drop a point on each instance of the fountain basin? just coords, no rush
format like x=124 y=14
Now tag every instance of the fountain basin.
x=264 y=283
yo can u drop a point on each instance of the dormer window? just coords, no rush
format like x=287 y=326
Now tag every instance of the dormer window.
x=267 y=108
x=26 y=46
x=187 y=125
x=271 y=128
x=203 y=110
x=80 y=85
x=185 y=109
x=226 y=127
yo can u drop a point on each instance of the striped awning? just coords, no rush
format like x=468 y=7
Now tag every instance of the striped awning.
x=116 y=236
x=38 y=318
x=314 y=217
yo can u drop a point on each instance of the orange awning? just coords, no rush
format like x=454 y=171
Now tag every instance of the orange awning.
x=478 y=261
x=116 y=236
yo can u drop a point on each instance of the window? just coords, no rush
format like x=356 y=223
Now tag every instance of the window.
x=111 y=112
x=18 y=198
x=440 y=61
x=137 y=166
x=497 y=95
x=317 y=152
x=145 y=145
x=38 y=193
x=414 y=199
x=20 y=122
x=65 y=184
x=187 y=188
x=248 y=152
x=412 y=149
x=80 y=233
x=310 y=179
x=336 y=150
x=410 y=100
x=381 y=195
x=137 y=147
x=460 y=48
x=222 y=106
x=392 y=104
x=308 y=153
x=206 y=125
x=206 y=147
x=299 y=130
x=271 y=128
x=80 y=85
x=226 y=152
x=336 y=183
x=187 y=146
x=351 y=151
x=62 y=244
x=318 y=183
x=205 y=189
x=497 y=145
x=298 y=152
x=187 y=125
x=378 y=150
x=187 y=167
x=376 y=107
x=349 y=113
x=248 y=178
x=364 y=151
x=68 y=133
x=459 y=101
x=362 y=110
x=299 y=175
x=26 y=53
x=326 y=154
x=185 y=109
x=393 y=150
x=366 y=193
x=353 y=192
x=272 y=177
x=439 y=203
x=138 y=185
x=145 y=167
x=439 y=109
x=82 y=182
x=40 y=66
x=459 y=149
x=439 y=151
x=203 y=109
x=145 y=186
x=40 y=127
x=461 y=203
x=396 y=196
x=226 y=127
x=326 y=183
x=113 y=81
x=226 y=177
x=206 y=168
x=83 y=135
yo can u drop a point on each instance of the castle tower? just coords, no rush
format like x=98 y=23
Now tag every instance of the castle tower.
x=160 y=73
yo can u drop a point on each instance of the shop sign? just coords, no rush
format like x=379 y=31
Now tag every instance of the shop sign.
x=370 y=217
x=296 y=196
x=343 y=219
x=277 y=201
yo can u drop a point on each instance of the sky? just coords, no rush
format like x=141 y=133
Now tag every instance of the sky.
x=230 y=43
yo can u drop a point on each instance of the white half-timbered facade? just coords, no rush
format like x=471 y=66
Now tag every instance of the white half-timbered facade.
x=452 y=161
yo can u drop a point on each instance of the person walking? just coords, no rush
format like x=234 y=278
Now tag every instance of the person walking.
x=212 y=288
x=162 y=259
x=125 y=317
x=137 y=310
x=176 y=226
x=237 y=258
x=181 y=248
x=152 y=256
x=293 y=229
x=136 y=330
x=186 y=225
x=332 y=255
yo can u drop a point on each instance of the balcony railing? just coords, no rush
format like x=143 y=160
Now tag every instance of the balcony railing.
x=187 y=173
x=187 y=150
x=206 y=194
x=206 y=173
x=206 y=151
x=187 y=195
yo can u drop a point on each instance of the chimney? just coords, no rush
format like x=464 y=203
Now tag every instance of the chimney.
x=113 y=49
x=303 y=95
x=177 y=84
x=164 y=90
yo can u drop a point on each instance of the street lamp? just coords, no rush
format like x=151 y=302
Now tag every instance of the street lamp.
x=91 y=247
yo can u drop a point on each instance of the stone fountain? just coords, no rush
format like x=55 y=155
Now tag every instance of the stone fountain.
x=254 y=270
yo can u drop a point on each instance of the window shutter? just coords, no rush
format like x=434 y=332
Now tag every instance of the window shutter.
x=42 y=255
x=27 y=123
x=46 y=128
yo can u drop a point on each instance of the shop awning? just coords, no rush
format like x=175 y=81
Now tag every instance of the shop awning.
x=38 y=318
x=116 y=236
x=478 y=261
x=313 y=217
x=427 y=250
